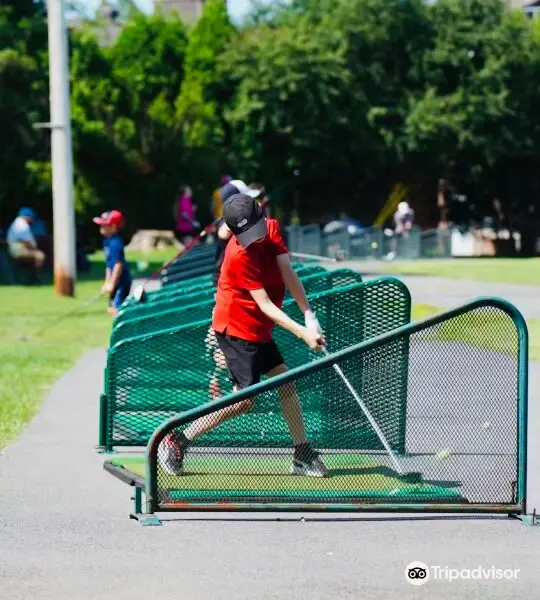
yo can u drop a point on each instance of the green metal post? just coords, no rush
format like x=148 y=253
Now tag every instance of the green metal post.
x=523 y=391
x=102 y=438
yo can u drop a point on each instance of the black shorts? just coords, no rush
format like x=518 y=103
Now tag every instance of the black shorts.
x=248 y=361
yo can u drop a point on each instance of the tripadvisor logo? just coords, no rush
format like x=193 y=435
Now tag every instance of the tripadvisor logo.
x=418 y=573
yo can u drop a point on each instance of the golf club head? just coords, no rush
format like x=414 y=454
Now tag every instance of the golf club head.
x=412 y=477
x=139 y=294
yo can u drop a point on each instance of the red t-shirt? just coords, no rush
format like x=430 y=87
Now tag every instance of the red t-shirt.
x=245 y=269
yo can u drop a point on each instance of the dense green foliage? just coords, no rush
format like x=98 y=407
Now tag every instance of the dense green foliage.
x=356 y=94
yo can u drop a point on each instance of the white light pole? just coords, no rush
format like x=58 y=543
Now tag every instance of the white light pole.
x=62 y=158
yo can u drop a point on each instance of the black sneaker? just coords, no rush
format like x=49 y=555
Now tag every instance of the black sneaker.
x=307 y=462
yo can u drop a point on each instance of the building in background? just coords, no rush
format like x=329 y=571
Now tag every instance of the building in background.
x=188 y=10
x=106 y=25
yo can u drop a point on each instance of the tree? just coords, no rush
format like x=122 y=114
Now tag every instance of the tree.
x=200 y=105
x=23 y=101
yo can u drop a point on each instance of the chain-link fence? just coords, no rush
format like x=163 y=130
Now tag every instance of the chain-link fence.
x=461 y=431
x=151 y=377
x=372 y=243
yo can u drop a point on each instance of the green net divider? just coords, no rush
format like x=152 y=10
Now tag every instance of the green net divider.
x=169 y=301
x=466 y=427
x=197 y=307
x=187 y=274
x=182 y=287
x=198 y=253
x=190 y=262
x=185 y=287
x=150 y=378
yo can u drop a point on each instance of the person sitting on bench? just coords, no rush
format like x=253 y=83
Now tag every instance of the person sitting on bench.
x=22 y=244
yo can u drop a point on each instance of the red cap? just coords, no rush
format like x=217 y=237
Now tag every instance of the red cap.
x=111 y=217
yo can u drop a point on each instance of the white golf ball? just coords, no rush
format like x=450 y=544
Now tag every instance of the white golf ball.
x=142 y=265
x=443 y=454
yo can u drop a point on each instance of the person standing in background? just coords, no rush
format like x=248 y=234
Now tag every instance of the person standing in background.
x=185 y=216
x=403 y=222
x=216 y=208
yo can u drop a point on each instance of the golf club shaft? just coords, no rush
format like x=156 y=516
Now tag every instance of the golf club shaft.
x=67 y=314
x=368 y=415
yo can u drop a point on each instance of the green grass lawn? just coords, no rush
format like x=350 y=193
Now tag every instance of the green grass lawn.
x=499 y=270
x=501 y=340
x=28 y=369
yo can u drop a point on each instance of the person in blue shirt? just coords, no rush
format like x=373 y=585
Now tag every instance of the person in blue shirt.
x=117 y=275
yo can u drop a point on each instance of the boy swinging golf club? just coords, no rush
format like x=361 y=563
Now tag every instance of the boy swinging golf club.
x=256 y=271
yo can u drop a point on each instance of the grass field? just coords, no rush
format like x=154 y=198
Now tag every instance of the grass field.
x=30 y=368
x=499 y=270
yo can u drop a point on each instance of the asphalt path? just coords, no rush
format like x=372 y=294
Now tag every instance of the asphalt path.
x=65 y=532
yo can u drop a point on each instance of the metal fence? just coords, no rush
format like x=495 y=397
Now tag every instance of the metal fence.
x=151 y=377
x=373 y=243
x=463 y=426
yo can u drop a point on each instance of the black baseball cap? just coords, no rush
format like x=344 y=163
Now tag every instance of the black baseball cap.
x=245 y=218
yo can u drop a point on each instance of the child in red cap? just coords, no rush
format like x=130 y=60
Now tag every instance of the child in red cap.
x=117 y=275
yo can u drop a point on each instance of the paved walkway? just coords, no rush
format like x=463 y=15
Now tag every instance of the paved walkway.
x=448 y=293
x=65 y=535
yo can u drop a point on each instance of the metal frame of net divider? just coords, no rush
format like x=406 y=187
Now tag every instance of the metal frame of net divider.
x=435 y=243
x=304 y=238
x=189 y=286
x=169 y=301
x=369 y=244
x=196 y=252
x=182 y=287
x=180 y=275
x=185 y=287
x=466 y=432
x=372 y=243
x=150 y=378
x=189 y=263
x=197 y=307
